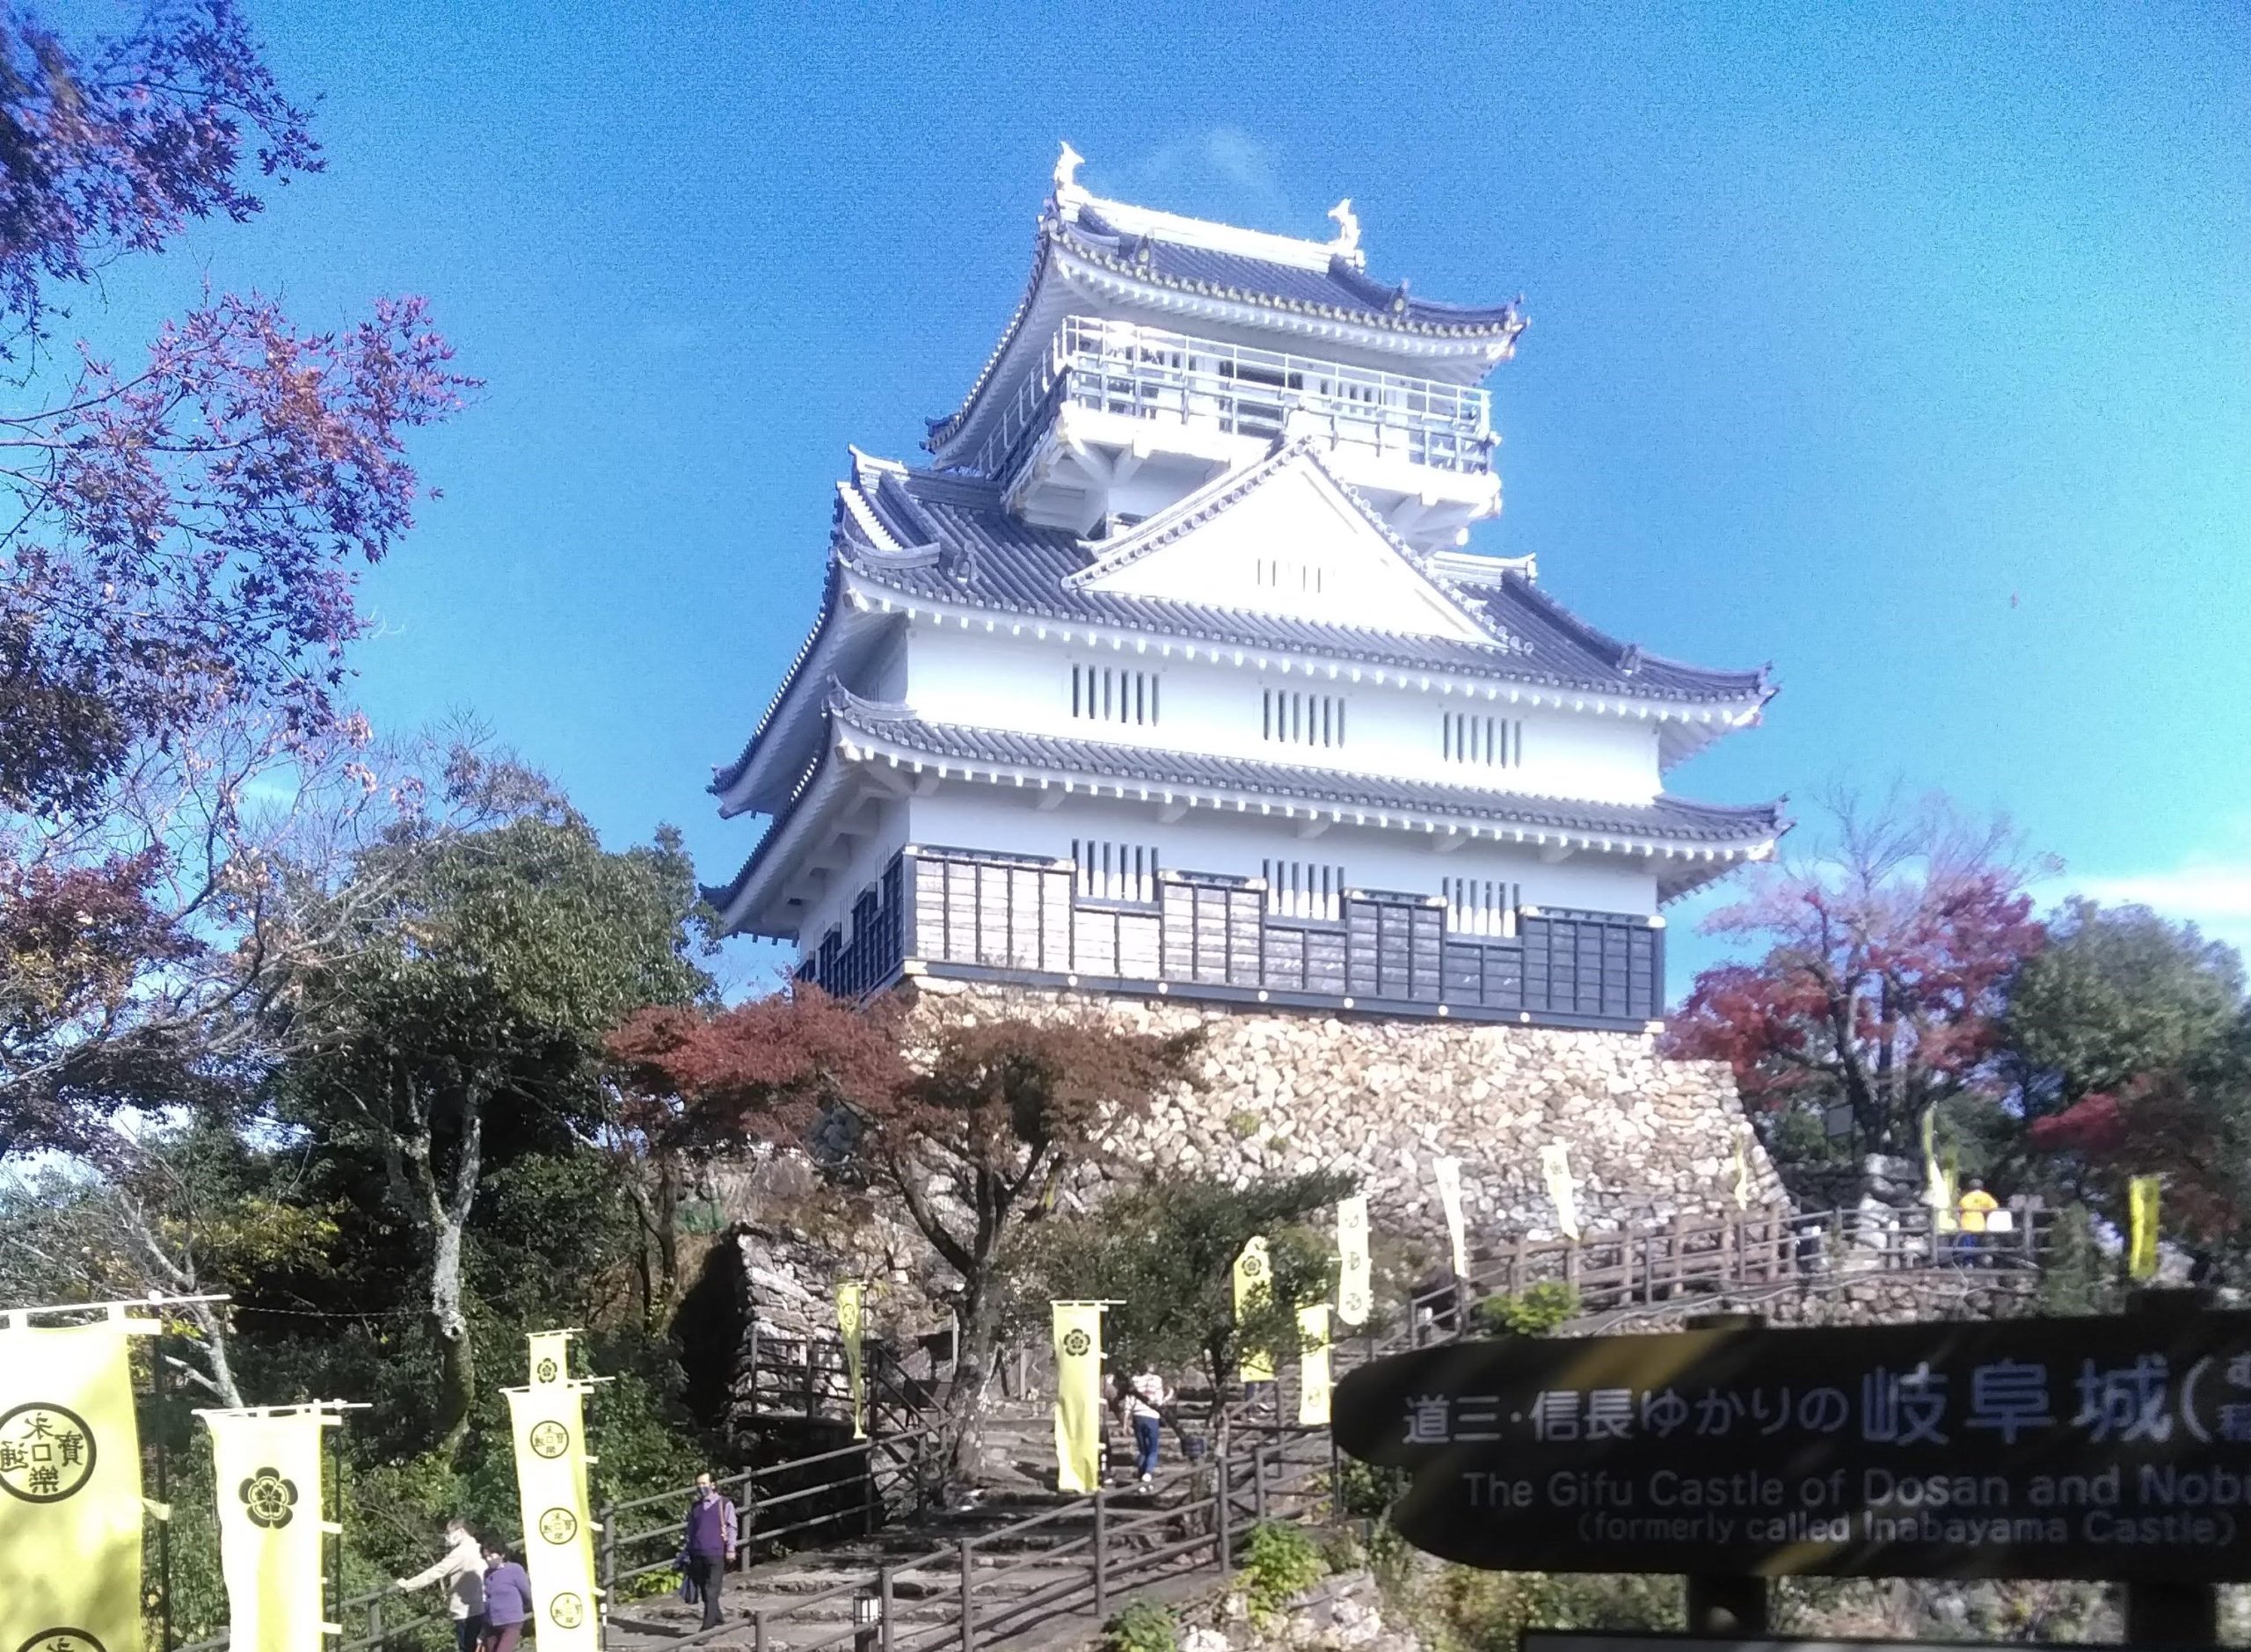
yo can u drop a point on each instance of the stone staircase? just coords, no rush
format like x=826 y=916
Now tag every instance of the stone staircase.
x=1019 y=1559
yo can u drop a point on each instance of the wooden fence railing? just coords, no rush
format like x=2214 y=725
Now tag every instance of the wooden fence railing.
x=1104 y=1544
x=1692 y=1257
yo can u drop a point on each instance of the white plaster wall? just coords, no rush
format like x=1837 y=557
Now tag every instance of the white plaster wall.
x=1297 y=516
x=886 y=833
x=1008 y=681
x=969 y=816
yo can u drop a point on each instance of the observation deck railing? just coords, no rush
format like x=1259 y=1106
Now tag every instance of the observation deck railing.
x=1146 y=373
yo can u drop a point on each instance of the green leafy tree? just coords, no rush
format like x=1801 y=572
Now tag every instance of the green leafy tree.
x=463 y=1023
x=2119 y=993
x=1163 y=1251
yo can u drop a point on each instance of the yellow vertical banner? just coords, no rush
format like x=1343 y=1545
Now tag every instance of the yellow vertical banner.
x=551 y=1356
x=1313 y=1366
x=267 y=1475
x=69 y=1487
x=549 y=1424
x=1254 y=1286
x=1556 y=1170
x=1078 y=1395
x=2141 y=1224
x=1447 y=1169
x=1938 y=1188
x=1355 y=1290
x=851 y=1304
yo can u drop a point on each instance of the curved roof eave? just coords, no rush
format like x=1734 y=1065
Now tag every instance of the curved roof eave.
x=1670 y=824
x=1370 y=651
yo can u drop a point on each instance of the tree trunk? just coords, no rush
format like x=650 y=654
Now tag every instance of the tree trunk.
x=457 y=1352
x=975 y=1357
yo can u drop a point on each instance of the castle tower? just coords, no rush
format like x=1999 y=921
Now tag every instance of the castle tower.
x=1168 y=674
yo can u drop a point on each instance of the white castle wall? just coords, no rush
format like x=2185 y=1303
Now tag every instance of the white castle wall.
x=998 y=680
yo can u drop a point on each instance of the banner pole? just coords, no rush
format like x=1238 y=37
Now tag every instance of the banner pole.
x=164 y=1491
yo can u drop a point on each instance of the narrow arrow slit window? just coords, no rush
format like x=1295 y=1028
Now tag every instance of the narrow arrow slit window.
x=1290 y=717
x=1304 y=888
x=1114 y=693
x=1111 y=870
x=1473 y=739
x=1480 y=906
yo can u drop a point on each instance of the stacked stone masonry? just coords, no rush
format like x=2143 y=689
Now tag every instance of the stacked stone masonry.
x=1649 y=1138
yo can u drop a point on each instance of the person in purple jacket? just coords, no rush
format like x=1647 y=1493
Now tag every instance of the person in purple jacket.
x=507 y=1600
x=710 y=1546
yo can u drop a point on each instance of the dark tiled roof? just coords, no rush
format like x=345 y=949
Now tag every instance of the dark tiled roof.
x=970 y=550
x=946 y=538
x=1669 y=818
x=1342 y=288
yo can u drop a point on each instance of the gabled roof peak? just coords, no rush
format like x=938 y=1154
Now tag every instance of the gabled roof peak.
x=1072 y=203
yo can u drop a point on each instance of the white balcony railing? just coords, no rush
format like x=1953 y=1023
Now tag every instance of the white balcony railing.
x=1144 y=373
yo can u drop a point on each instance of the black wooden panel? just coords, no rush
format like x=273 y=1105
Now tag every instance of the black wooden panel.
x=1178 y=911
x=1426 y=931
x=1362 y=921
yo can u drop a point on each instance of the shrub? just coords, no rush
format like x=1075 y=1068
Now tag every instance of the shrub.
x=1365 y=1491
x=1489 y=1612
x=2076 y=1277
x=1280 y=1562
x=1141 y=1625
x=1341 y=1549
x=1534 y=1312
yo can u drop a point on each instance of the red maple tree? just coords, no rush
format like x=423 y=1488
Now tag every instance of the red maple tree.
x=970 y=1124
x=1887 y=953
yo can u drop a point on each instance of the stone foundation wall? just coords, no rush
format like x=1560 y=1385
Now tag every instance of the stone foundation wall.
x=1649 y=1138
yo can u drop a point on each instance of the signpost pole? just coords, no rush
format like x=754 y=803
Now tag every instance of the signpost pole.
x=2170 y=1614
x=1726 y=1606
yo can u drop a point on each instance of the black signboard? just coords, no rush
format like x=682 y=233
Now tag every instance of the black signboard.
x=2100 y=1448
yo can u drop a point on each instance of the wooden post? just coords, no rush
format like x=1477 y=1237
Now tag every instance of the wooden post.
x=1224 y=1550
x=1258 y=1483
x=868 y=1489
x=758 y=1630
x=812 y=1348
x=968 y=1606
x=883 y=1607
x=1101 y=1555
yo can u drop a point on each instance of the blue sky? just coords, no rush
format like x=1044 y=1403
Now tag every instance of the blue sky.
x=1904 y=346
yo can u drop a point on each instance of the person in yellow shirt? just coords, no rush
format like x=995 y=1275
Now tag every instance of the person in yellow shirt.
x=1977 y=1204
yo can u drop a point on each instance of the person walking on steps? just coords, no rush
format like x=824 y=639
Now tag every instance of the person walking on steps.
x=1146 y=1398
x=710 y=1549
x=507 y=1599
x=461 y=1568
